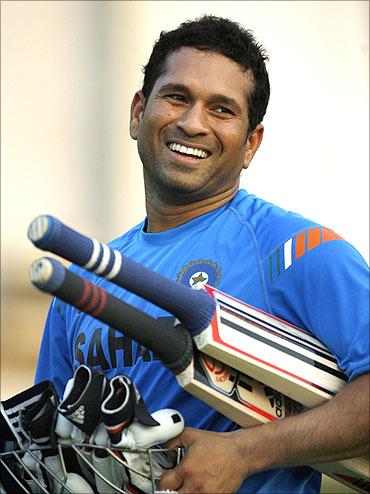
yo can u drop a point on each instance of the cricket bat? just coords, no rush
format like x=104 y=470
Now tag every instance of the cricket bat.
x=268 y=349
x=234 y=394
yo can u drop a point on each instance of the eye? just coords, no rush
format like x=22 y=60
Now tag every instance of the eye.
x=223 y=110
x=175 y=97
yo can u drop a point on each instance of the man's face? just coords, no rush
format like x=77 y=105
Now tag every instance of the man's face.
x=192 y=134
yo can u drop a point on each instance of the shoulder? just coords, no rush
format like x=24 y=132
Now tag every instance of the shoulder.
x=292 y=244
x=270 y=225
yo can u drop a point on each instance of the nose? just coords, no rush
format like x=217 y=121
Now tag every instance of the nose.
x=193 y=121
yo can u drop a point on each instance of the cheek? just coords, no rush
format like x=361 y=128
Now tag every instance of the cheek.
x=152 y=125
x=231 y=133
x=161 y=113
x=235 y=142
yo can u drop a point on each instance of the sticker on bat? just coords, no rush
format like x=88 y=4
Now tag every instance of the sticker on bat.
x=264 y=400
x=219 y=375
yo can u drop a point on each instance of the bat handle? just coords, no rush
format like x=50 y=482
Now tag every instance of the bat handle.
x=194 y=308
x=174 y=346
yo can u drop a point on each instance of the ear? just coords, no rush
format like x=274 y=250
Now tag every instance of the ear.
x=253 y=143
x=136 y=113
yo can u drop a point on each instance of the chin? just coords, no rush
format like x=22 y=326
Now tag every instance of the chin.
x=178 y=188
x=185 y=194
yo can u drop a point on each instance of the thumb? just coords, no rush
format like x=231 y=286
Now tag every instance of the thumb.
x=171 y=479
x=182 y=440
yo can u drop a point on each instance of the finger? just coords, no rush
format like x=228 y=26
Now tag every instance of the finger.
x=182 y=439
x=174 y=443
x=171 y=480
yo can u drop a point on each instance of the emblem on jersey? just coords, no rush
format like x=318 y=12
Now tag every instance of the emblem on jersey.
x=201 y=272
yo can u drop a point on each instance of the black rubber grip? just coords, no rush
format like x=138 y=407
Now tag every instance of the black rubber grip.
x=173 y=345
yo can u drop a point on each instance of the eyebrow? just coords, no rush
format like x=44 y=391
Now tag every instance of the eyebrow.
x=171 y=86
x=215 y=98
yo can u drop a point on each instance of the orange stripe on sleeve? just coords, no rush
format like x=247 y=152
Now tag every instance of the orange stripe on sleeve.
x=328 y=235
x=300 y=245
x=313 y=239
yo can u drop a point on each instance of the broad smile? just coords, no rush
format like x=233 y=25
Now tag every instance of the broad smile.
x=189 y=151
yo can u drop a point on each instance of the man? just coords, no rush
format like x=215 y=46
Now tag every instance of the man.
x=197 y=122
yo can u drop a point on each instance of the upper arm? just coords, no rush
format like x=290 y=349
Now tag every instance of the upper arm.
x=55 y=356
x=326 y=291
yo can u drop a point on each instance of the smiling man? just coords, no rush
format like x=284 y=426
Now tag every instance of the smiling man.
x=197 y=122
x=193 y=135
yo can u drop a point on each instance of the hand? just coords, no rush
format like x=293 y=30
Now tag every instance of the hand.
x=211 y=464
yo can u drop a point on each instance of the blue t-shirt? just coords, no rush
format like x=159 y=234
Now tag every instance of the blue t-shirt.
x=272 y=259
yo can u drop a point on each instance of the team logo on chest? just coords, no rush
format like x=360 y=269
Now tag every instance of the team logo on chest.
x=198 y=273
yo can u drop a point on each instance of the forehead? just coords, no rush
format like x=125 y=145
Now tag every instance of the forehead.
x=206 y=72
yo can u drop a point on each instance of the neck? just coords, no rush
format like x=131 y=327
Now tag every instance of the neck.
x=163 y=215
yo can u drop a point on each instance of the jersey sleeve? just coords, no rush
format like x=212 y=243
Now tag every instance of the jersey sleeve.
x=319 y=282
x=55 y=358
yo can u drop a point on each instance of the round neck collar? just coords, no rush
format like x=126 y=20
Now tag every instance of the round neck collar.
x=170 y=236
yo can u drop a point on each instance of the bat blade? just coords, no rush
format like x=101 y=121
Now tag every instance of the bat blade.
x=234 y=394
x=237 y=396
x=271 y=350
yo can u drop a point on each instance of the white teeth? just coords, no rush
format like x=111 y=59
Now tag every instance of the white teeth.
x=185 y=150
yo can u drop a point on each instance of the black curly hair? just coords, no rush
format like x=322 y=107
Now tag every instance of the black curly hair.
x=220 y=35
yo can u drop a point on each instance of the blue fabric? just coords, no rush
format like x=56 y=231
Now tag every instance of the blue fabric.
x=251 y=250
